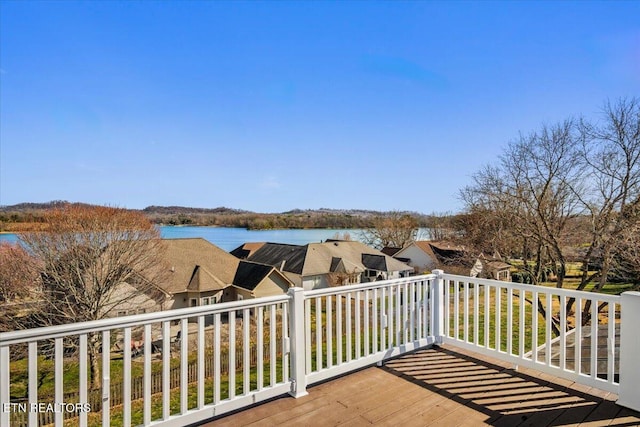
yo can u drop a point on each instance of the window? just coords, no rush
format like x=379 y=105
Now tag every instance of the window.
x=214 y=300
x=194 y=302
x=205 y=301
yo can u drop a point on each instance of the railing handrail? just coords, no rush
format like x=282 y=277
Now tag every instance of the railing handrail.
x=345 y=289
x=57 y=331
x=571 y=293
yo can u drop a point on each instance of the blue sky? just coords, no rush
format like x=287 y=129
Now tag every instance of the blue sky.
x=270 y=106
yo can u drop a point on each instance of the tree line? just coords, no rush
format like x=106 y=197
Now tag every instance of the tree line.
x=32 y=217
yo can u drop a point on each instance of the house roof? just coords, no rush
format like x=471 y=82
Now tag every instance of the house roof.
x=275 y=253
x=196 y=264
x=245 y=250
x=390 y=250
x=322 y=258
x=250 y=274
x=374 y=262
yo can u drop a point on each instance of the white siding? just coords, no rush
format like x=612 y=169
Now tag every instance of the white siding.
x=418 y=258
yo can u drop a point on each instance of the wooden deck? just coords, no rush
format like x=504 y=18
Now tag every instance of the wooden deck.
x=441 y=387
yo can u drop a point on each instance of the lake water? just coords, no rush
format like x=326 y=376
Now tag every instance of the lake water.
x=230 y=238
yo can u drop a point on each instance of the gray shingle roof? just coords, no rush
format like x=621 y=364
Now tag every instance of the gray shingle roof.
x=275 y=253
x=250 y=274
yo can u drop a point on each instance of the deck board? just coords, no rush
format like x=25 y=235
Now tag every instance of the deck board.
x=441 y=387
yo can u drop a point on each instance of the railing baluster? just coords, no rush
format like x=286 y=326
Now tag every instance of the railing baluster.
x=184 y=365
x=329 y=328
x=106 y=379
x=384 y=318
x=426 y=308
x=348 y=349
x=166 y=366
x=307 y=335
x=404 y=302
x=285 y=338
x=549 y=311
x=216 y=358
x=82 y=379
x=476 y=313
x=33 y=383
x=232 y=354
x=611 y=341
x=577 y=337
x=59 y=378
x=147 y=374
x=374 y=320
x=510 y=321
x=498 y=315
x=456 y=310
x=246 y=351
x=465 y=313
x=200 y=362
x=534 y=326
x=126 y=384
x=318 y=333
x=521 y=323
x=487 y=320
x=563 y=332
x=419 y=310
x=366 y=323
x=412 y=311
x=260 y=349
x=358 y=325
x=398 y=312
x=594 y=338
x=272 y=345
x=338 y=329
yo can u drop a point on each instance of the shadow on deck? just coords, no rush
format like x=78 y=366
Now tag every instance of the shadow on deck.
x=442 y=387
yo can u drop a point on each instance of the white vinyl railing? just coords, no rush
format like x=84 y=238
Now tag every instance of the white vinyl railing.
x=570 y=334
x=196 y=363
x=349 y=327
x=182 y=349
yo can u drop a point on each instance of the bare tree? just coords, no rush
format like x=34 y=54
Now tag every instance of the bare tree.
x=611 y=151
x=529 y=199
x=567 y=186
x=438 y=226
x=395 y=229
x=18 y=272
x=92 y=260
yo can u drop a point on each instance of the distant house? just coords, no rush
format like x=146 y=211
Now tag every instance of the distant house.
x=254 y=280
x=201 y=273
x=425 y=256
x=494 y=268
x=332 y=263
x=138 y=298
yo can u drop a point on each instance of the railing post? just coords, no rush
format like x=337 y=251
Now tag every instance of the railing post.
x=438 y=306
x=297 y=343
x=629 y=395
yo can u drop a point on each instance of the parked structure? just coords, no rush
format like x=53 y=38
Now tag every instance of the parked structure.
x=332 y=263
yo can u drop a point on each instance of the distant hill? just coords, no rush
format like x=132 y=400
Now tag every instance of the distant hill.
x=11 y=217
x=172 y=210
